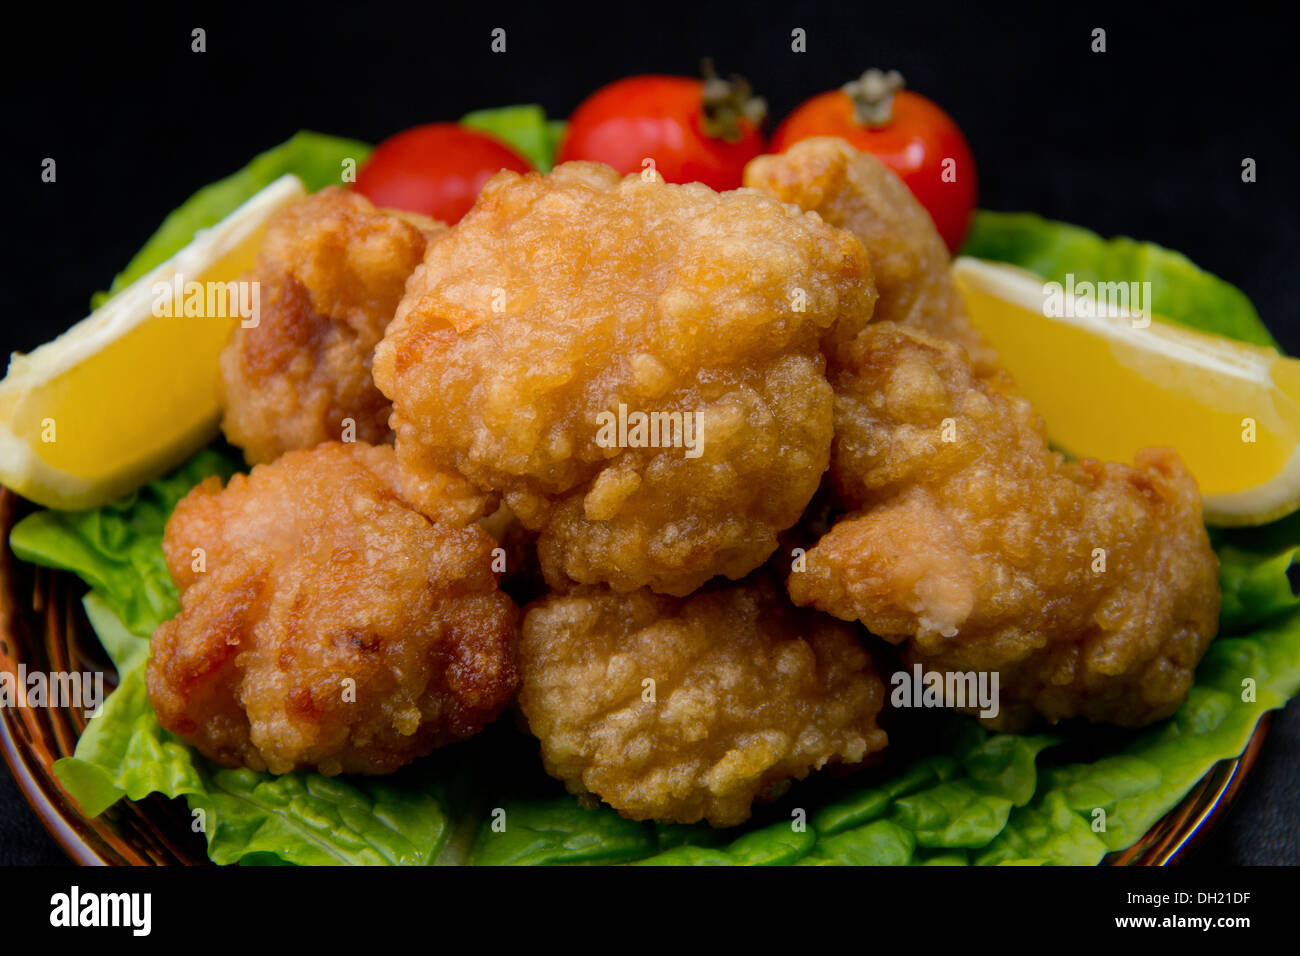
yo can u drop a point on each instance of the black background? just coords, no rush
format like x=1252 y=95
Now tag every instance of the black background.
x=1146 y=139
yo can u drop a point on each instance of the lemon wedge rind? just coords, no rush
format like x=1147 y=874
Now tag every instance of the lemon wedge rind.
x=135 y=410
x=1109 y=381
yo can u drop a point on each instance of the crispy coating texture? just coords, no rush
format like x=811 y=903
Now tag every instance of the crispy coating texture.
x=979 y=551
x=749 y=694
x=671 y=522
x=1090 y=587
x=855 y=191
x=317 y=573
x=562 y=297
x=331 y=271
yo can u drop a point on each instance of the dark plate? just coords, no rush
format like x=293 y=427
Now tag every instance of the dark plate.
x=43 y=625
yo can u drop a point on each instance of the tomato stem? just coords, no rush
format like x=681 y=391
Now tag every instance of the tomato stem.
x=725 y=103
x=873 y=96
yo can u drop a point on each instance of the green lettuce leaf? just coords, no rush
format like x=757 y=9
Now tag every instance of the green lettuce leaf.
x=1239 y=679
x=309 y=819
x=539 y=832
x=125 y=649
x=959 y=798
x=318 y=160
x=1255 y=587
x=116 y=549
x=124 y=752
x=525 y=128
x=1180 y=291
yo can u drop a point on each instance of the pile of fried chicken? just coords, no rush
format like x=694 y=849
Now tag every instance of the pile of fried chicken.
x=420 y=404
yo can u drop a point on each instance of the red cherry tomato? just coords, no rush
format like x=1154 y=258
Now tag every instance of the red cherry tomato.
x=690 y=137
x=915 y=140
x=436 y=169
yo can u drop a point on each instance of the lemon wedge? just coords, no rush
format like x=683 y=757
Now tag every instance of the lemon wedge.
x=1109 y=380
x=126 y=393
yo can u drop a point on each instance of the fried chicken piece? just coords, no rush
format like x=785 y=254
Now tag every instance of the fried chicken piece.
x=1090 y=587
x=563 y=305
x=687 y=709
x=331 y=271
x=856 y=191
x=979 y=551
x=325 y=623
